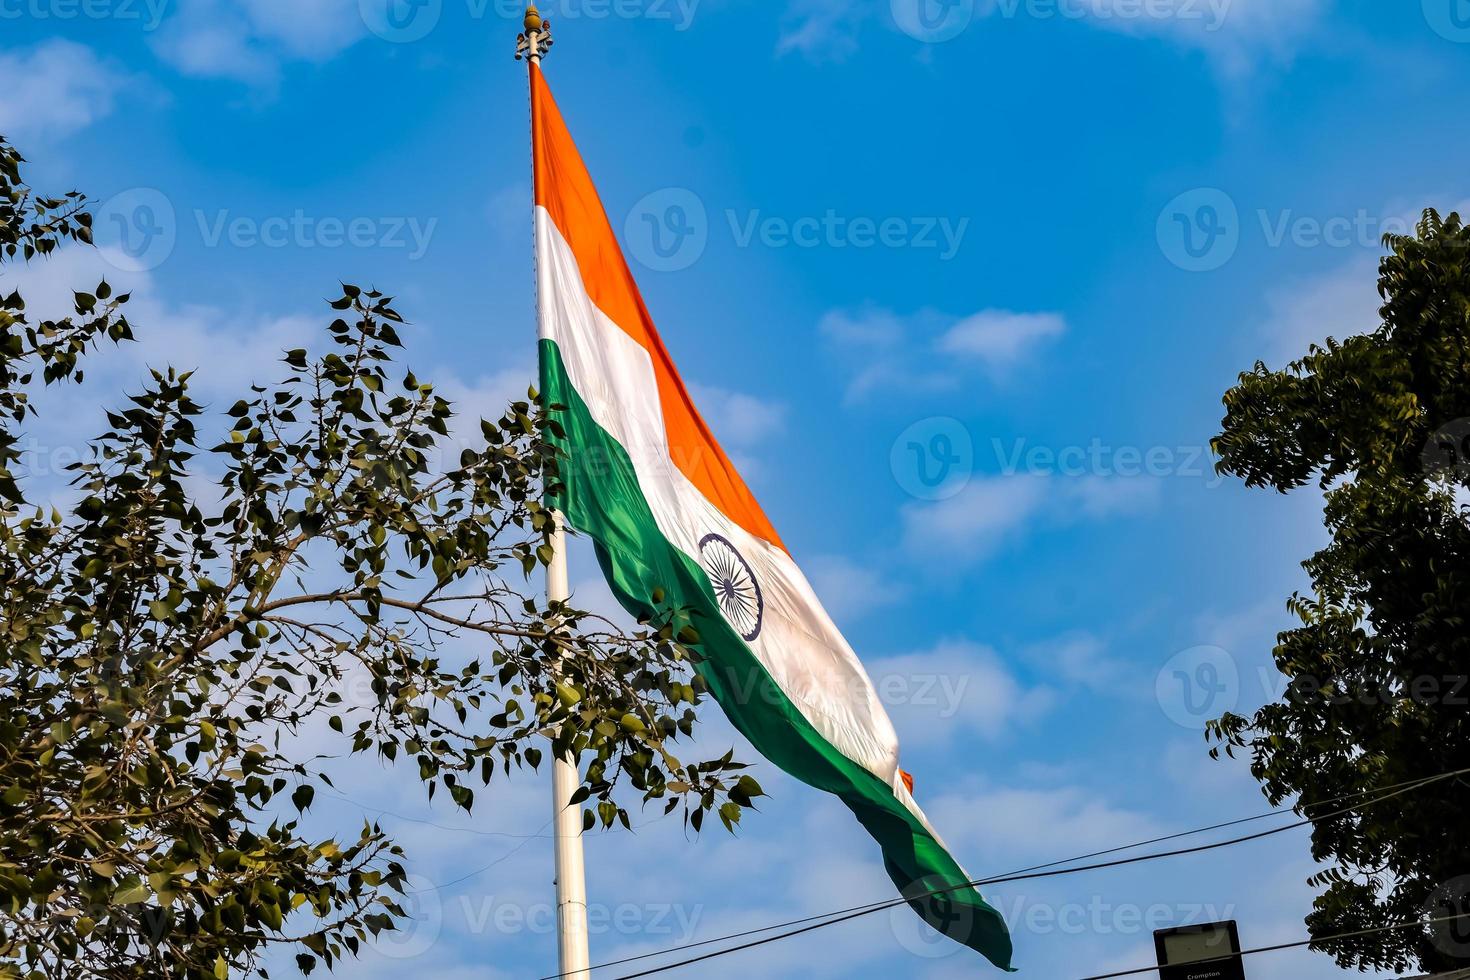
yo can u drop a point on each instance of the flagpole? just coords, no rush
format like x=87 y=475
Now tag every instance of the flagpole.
x=571 y=871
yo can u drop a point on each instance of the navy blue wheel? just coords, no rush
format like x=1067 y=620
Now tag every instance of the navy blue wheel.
x=736 y=588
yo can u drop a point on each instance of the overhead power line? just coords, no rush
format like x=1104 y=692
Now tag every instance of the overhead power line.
x=886 y=903
x=1029 y=875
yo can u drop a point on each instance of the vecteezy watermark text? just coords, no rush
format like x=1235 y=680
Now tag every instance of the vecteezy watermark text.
x=1202 y=683
x=149 y=13
x=936 y=21
x=301 y=230
x=1096 y=916
x=1099 y=458
x=670 y=229
x=936 y=458
x=832 y=230
x=406 y=21
x=138 y=229
x=1211 y=14
x=1202 y=229
x=509 y=918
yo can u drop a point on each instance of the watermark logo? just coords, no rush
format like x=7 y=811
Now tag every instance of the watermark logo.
x=1449 y=18
x=1447 y=454
x=933 y=459
x=1198 y=685
x=938 y=903
x=933 y=21
x=1199 y=230
x=136 y=229
x=401 y=21
x=1450 y=903
x=668 y=230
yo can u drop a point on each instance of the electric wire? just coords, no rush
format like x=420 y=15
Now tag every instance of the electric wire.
x=858 y=913
x=889 y=903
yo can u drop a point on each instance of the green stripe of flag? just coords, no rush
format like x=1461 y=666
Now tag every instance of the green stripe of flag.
x=606 y=503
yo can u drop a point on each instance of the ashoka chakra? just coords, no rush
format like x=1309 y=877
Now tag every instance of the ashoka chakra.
x=736 y=589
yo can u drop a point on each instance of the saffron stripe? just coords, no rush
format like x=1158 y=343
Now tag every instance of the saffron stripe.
x=565 y=190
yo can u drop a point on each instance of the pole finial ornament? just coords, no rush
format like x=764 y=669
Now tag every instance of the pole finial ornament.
x=533 y=44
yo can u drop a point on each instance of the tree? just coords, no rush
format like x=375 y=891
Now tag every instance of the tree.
x=160 y=648
x=1378 y=693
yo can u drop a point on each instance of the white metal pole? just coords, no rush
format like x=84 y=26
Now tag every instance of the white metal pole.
x=571 y=869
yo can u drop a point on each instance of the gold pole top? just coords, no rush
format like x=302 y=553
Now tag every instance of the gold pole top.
x=535 y=41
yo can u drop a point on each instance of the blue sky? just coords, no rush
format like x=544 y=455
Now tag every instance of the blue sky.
x=960 y=287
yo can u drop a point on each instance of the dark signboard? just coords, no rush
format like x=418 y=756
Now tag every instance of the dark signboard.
x=1208 y=952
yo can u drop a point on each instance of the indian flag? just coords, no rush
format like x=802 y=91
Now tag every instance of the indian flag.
x=648 y=483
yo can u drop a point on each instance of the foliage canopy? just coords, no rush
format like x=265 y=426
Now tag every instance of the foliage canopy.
x=1378 y=668
x=169 y=657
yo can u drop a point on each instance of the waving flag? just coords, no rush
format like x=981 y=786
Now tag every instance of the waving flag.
x=650 y=485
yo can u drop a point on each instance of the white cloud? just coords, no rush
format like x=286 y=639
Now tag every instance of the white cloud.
x=957 y=688
x=1253 y=625
x=926 y=349
x=54 y=90
x=1000 y=339
x=248 y=40
x=1188 y=765
x=1099 y=496
x=975 y=522
x=1083 y=660
x=226 y=351
x=822 y=30
x=212 y=50
x=1236 y=34
x=738 y=419
x=473 y=399
x=849 y=589
x=1026 y=824
x=992 y=511
x=306 y=28
x=872 y=328
x=1337 y=304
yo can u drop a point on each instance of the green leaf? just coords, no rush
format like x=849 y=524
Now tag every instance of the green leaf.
x=130 y=891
